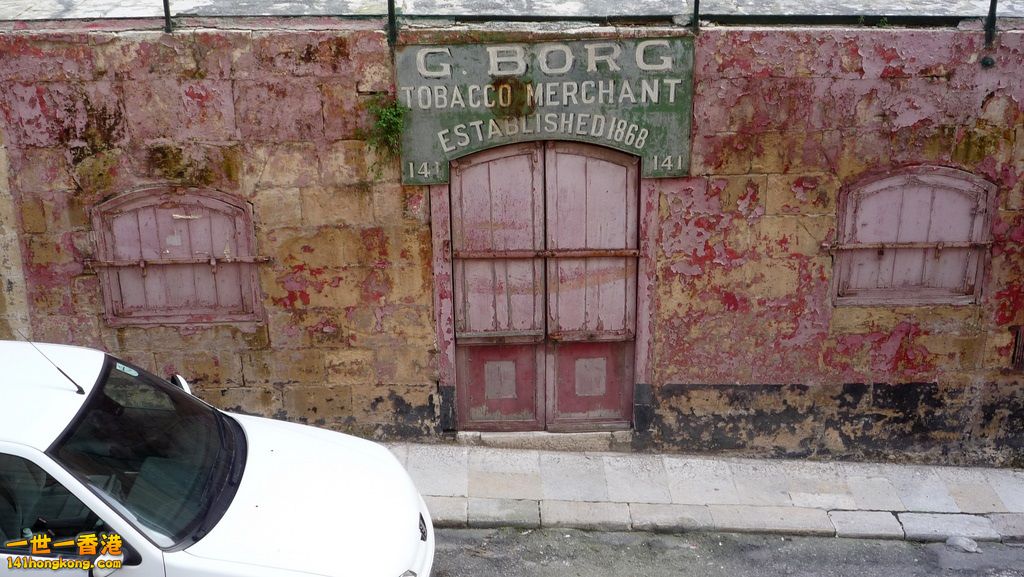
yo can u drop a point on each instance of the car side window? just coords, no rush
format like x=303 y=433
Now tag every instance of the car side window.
x=34 y=503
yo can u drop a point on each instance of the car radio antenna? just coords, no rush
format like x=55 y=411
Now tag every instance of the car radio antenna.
x=78 y=388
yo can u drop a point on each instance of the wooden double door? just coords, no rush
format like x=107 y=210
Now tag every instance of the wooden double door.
x=544 y=256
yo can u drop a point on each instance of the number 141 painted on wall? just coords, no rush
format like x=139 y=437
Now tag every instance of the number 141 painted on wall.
x=667 y=162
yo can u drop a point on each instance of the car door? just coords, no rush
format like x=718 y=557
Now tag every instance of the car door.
x=47 y=515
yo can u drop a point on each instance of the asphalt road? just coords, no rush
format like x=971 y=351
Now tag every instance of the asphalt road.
x=570 y=553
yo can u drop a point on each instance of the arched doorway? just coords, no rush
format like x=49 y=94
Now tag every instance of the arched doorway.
x=544 y=251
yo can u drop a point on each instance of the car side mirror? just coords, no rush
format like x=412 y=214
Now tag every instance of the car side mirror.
x=180 y=382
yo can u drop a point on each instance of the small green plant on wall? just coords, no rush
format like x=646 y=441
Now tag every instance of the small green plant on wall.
x=384 y=136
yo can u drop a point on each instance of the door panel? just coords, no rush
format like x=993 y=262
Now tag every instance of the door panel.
x=593 y=385
x=504 y=386
x=498 y=280
x=544 y=259
x=592 y=298
x=592 y=204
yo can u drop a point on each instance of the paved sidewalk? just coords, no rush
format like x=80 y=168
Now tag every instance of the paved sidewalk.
x=487 y=487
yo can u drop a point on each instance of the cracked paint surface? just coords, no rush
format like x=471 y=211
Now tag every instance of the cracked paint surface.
x=752 y=355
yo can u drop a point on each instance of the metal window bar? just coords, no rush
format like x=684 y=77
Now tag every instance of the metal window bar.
x=882 y=246
x=144 y=263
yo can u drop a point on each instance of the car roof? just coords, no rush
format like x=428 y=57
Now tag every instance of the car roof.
x=36 y=401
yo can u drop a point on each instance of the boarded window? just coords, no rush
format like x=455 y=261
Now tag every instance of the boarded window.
x=177 y=257
x=916 y=237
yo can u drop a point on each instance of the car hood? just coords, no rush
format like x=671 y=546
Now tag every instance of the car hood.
x=316 y=501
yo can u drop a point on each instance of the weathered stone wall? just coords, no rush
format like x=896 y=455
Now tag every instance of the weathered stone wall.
x=266 y=112
x=13 y=301
x=751 y=354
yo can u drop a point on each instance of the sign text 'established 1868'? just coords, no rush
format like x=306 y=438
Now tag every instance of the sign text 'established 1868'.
x=632 y=95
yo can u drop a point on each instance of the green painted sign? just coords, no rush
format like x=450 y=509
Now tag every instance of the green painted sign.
x=632 y=95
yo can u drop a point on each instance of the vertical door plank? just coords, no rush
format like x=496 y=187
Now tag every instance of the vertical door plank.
x=874 y=220
x=953 y=220
x=908 y=266
x=200 y=236
x=153 y=277
x=172 y=221
x=129 y=292
x=223 y=244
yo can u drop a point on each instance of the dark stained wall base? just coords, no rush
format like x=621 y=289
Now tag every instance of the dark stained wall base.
x=935 y=423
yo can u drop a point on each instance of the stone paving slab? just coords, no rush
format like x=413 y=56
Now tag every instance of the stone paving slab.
x=504 y=513
x=448 y=511
x=439 y=469
x=921 y=489
x=866 y=524
x=504 y=474
x=874 y=494
x=670 y=518
x=573 y=477
x=700 y=481
x=939 y=527
x=682 y=9
x=583 y=515
x=787 y=520
x=1010 y=526
x=1009 y=485
x=637 y=478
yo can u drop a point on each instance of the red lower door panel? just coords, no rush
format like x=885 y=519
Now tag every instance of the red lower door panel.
x=500 y=388
x=593 y=385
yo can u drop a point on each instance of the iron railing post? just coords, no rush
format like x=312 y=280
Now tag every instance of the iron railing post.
x=696 y=16
x=167 y=16
x=392 y=24
x=990 y=24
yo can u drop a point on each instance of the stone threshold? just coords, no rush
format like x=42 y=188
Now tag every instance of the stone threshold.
x=597 y=442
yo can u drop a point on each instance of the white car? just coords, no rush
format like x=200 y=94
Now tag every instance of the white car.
x=93 y=448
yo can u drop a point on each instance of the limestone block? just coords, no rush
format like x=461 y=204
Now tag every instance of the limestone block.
x=283 y=367
x=278 y=110
x=345 y=112
x=180 y=109
x=349 y=366
x=40 y=169
x=343 y=162
x=278 y=207
x=315 y=404
x=813 y=194
x=281 y=165
x=350 y=205
x=262 y=401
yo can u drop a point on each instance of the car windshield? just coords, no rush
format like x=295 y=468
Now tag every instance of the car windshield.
x=155 y=453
